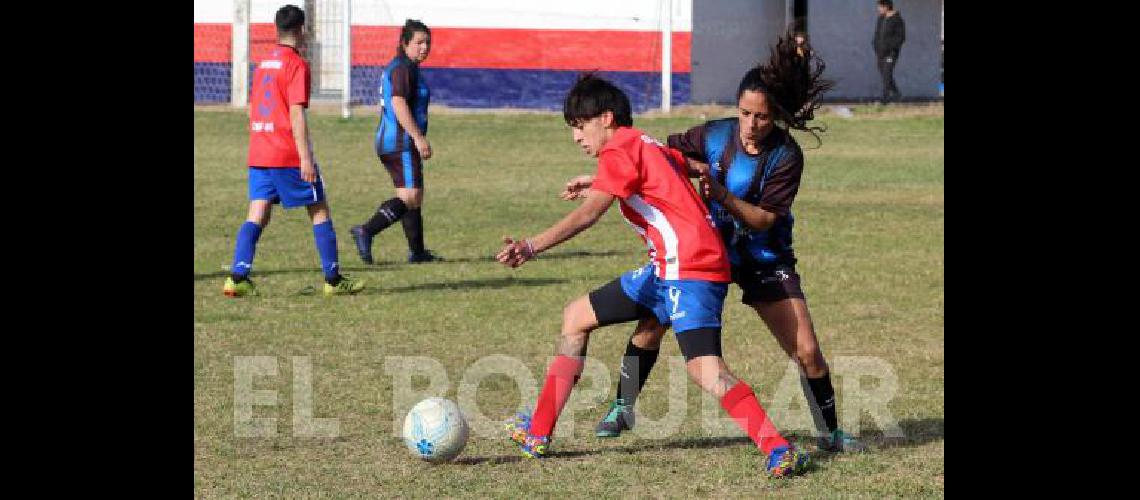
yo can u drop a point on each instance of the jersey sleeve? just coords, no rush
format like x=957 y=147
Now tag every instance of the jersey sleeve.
x=402 y=81
x=297 y=91
x=691 y=143
x=617 y=175
x=782 y=184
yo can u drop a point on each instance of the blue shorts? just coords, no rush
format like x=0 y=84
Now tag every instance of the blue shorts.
x=284 y=186
x=684 y=304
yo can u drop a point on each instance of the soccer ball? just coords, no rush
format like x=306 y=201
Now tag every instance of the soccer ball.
x=435 y=430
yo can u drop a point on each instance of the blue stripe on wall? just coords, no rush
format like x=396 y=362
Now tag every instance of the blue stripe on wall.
x=212 y=82
x=474 y=88
x=513 y=88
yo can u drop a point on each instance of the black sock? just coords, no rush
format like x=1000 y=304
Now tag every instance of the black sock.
x=639 y=361
x=238 y=278
x=390 y=211
x=824 y=395
x=414 y=230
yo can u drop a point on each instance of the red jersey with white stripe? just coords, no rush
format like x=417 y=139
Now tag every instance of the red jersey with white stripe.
x=280 y=80
x=659 y=201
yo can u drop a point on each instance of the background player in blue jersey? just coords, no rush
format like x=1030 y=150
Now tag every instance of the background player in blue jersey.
x=750 y=178
x=402 y=145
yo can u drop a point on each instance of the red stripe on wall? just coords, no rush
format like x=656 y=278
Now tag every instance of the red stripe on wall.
x=212 y=42
x=604 y=50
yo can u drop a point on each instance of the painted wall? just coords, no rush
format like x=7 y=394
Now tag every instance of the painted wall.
x=494 y=53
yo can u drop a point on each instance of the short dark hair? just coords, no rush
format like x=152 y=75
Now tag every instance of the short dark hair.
x=411 y=27
x=289 y=18
x=889 y=4
x=591 y=96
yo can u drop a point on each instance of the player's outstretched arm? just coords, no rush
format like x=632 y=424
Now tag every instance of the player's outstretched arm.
x=516 y=252
x=577 y=188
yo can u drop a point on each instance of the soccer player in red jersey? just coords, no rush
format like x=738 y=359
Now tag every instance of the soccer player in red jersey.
x=751 y=172
x=684 y=284
x=282 y=168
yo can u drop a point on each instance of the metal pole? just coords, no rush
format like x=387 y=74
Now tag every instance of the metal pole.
x=239 y=57
x=346 y=61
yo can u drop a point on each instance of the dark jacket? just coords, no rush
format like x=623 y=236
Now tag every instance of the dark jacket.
x=890 y=33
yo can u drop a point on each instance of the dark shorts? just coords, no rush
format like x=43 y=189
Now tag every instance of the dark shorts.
x=768 y=283
x=405 y=168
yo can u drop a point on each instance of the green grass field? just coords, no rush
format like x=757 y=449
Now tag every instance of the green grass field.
x=869 y=235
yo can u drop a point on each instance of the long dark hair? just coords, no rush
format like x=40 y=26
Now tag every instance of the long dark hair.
x=792 y=83
x=411 y=27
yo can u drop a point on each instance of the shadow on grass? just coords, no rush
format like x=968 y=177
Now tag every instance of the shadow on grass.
x=315 y=271
x=502 y=459
x=507 y=282
x=555 y=255
x=221 y=274
x=916 y=433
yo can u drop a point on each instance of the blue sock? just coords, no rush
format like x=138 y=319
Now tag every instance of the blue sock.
x=325 y=236
x=246 y=246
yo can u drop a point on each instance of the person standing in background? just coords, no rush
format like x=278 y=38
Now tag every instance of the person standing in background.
x=890 y=33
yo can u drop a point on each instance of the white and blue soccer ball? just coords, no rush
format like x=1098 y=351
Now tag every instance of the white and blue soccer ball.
x=435 y=430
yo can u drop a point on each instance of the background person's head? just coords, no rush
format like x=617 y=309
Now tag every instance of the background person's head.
x=594 y=109
x=415 y=40
x=290 y=22
x=785 y=90
x=886 y=6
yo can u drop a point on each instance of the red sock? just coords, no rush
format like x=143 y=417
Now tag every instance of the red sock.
x=560 y=379
x=741 y=403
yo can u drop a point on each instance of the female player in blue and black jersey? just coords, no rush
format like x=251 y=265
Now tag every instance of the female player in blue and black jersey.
x=402 y=145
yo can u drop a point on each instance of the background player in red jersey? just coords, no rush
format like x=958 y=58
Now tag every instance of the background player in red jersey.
x=282 y=168
x=684 y=285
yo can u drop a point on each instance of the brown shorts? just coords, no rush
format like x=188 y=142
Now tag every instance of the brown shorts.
x=405 y=168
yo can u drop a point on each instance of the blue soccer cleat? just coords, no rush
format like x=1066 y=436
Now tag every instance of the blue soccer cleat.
x=363 y=242
x=786 y=461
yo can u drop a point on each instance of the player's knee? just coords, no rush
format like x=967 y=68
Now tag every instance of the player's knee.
x=809 y=356
x=812 y=361
x=648 y=338
x=412 y=198
x=578 y=318
x=319 y=212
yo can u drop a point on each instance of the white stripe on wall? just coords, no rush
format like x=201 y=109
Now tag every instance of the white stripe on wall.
x=632 y=15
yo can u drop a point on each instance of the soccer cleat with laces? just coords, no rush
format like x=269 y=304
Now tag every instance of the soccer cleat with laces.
x=239 y=288
x=347 y=286
x=618 y=419
x=838 y=442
